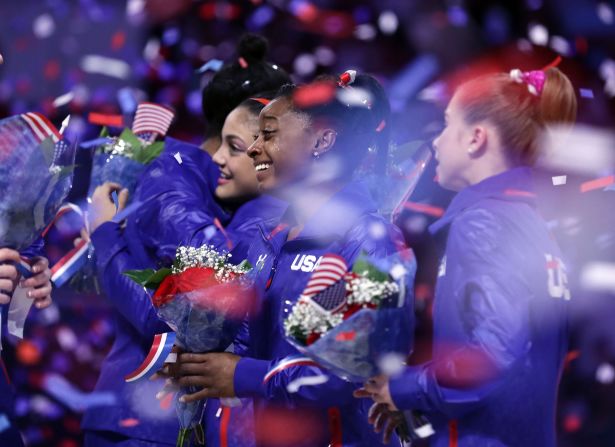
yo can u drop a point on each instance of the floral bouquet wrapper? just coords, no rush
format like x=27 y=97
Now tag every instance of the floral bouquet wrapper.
x=36 y=169
x=204 y=299
x=356 y=323
x=122 y=159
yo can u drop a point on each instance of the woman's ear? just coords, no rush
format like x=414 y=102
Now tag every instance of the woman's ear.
x=478 y=141
x=325 y=140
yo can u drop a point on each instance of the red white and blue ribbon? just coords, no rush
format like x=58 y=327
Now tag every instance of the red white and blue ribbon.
x=70 y=263
x=152 y=117
x=157 y=356
x=286 y=363
x=41 y=127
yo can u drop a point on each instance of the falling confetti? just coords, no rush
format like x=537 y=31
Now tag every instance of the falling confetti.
x=63 y=99
x=178 y=157
x=586 y=93
x=599 y=183
x=559 y=180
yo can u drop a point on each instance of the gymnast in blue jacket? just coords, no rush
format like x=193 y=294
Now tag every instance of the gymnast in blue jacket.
x=308 y=147
x=502 y=301
x=196 y=201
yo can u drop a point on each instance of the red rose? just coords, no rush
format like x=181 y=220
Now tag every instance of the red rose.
x=165 y=291
x=312 y=338
x=196 y=278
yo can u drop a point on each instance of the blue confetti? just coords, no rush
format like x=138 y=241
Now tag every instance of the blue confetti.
x=212 y=64
x=586 y=93
x=95 y=143
x=4 y=422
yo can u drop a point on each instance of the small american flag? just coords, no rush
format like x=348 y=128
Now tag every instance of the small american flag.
x=330 y=270
x=332 y=298
x=152 y=118
x=41 y=127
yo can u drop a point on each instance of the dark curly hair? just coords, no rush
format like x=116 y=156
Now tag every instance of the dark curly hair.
x=239 y=80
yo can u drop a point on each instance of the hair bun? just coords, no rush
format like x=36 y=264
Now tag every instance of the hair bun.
x=252 y=47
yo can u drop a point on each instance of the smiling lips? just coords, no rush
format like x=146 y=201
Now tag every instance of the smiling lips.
x=262 y=167
x=223 y=179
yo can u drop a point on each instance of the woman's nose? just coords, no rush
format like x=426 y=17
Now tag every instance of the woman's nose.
x=255 y=148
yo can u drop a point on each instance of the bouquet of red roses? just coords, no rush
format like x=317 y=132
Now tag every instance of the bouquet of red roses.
x=204 y=299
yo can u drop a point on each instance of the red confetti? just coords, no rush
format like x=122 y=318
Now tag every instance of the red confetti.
x=599 y=183
x=346 y=336
x=314 y=94
x=130 y=422
x=518 y=193
x=118 y=40
x=243 y=62
x=572 y=423
x=381 y=126
x=51 y=69
x=28 y=353
x=106 y=120
x=571 y=356
x=425 y=208
x=166 y=401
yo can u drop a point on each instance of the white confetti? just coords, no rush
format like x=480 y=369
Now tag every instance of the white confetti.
x=391 y=364
x=43 y=26
x=365 y=31
x=605 y=374
x=388 y=22
x=538 y=34
x=599 y=276
x=63 y=99
x=114 y=68
x=178 y=157
x=559 y=180
x=605 y=13
x=561 y=45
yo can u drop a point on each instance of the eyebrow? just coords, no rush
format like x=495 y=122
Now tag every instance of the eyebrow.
x=269 y=117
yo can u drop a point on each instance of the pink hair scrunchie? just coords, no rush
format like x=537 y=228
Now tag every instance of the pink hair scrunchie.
x=535 y=80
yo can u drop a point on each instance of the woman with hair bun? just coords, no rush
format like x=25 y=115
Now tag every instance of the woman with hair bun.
x=502 y=301
x=191 y=198
x=309 y=144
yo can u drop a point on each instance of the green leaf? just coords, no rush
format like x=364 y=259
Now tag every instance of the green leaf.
x=129 y=137
x=148 y=153
x=364 y=268
x=104 y=132
x=245 y=265
x=148 y=278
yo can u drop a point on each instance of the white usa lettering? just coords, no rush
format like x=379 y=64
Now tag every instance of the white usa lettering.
x=557 y=281
x=305 y=263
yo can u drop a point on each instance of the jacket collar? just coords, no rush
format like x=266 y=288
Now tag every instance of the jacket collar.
x=514 y=185
x=335 y=217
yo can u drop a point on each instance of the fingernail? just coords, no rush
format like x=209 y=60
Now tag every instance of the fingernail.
x=29 y=294
x=160 y=395
x=168 y=382
x=182 y=399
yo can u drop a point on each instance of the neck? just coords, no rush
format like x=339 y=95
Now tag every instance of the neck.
x=490 y=166
x=211 y=145
x=305 y=202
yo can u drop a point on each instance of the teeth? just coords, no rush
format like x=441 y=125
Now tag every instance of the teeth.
x=223 y=175
x=262 y=167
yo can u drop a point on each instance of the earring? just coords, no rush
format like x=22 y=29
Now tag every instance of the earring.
x=315 y=155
